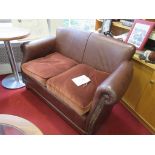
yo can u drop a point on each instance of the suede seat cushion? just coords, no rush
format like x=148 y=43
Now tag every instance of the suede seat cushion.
x=46 y=67
x=79 y=98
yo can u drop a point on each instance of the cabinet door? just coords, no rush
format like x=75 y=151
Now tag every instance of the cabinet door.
x=141 y=78
x=146 y=106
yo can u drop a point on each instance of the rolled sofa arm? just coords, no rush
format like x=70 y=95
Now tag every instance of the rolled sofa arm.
x=116 y=84
x=38 y=48
x=108 y=93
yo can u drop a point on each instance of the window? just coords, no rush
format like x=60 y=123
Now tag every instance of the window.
x=37 y=27
x=43 y=27
x=83 y=24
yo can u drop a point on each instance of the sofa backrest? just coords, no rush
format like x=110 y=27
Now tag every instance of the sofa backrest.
x=106 y=53
x=71 y=42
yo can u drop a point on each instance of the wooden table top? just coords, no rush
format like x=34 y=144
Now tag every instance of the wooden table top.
x=19 y=123
x=12 y=33
x=136 y=57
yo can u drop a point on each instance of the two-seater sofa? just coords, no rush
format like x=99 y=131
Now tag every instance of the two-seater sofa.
x=50 y=64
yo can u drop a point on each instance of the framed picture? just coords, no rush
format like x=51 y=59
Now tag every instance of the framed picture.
x=140 y=33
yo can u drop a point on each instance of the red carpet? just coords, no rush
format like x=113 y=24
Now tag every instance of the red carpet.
x=26 y=104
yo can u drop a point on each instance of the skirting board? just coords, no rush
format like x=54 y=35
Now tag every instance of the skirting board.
x=6 y=68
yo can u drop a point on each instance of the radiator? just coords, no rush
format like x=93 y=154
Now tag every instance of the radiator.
x=5 y=67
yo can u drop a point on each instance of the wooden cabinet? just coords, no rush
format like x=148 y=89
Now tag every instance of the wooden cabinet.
x=146 y=106
x=141 y=77
x=117 y=28
x=140 y=96
x=98 y=24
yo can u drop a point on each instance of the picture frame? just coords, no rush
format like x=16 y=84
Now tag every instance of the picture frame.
x=139 y=33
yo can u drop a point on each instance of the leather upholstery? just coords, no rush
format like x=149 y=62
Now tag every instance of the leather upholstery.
x=78 y=98
x=38 y=48
x=109 y=92
x=105 y=53
x=46 y=67
x=95 y=51
x=71 y=43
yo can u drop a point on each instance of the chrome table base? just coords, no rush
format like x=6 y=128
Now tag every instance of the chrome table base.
x=14 y=80
x=11 y=83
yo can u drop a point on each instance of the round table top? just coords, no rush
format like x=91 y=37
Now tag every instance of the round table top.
x=14 y=125
x=12 y=33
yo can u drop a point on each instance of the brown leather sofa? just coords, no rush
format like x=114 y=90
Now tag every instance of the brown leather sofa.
x=50 y=64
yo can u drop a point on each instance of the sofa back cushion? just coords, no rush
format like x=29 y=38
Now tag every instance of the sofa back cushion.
x=106 y=53
x=71 y=42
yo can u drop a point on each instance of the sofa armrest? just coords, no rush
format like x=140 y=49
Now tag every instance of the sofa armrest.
x=116 y=84
x=38 y=48
x=108 y=93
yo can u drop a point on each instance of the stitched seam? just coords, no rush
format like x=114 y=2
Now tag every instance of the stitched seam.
x=85 y=47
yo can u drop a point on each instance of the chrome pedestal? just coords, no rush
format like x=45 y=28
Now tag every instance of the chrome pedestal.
x=13 y=81
x=10 y=82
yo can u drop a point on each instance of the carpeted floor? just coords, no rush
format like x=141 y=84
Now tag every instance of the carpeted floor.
x=26 y=104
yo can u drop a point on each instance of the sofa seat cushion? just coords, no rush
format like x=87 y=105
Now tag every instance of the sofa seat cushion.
x=46 y=67
x=79 y=98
